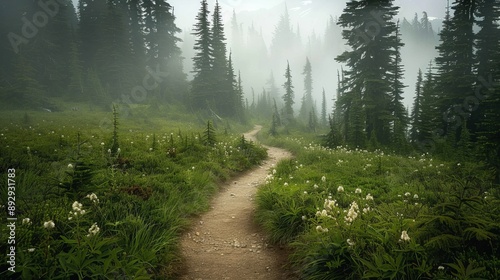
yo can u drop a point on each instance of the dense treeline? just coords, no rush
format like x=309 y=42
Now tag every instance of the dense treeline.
x=109 y=51
x=454 y=105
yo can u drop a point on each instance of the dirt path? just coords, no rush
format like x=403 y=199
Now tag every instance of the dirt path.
x=225 y=242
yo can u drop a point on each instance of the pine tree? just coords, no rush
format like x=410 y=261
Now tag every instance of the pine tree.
x=455 y=64
x=416 y=114
x=398 y=111
x=201 y=86
x=323 y=119
x=369 y=30
x=288 y=96
x=222 y=84
x=307 y=100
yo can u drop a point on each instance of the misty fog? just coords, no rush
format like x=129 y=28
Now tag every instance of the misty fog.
x=309 y=21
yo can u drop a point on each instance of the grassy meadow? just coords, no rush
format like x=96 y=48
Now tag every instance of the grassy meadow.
x=105 y=195
x=357 y=214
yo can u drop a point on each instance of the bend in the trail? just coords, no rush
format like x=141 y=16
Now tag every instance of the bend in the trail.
x=225 y=242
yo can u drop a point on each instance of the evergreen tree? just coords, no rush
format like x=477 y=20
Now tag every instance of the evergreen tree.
x=288 y=96
x=455 y=64
x=323 y=119
x=416 y=115
x=370 y=34
x=272 y=89
x=429 y=116
x=201 y=86
x=222 y=84
x=307 y=100
x=398 y=111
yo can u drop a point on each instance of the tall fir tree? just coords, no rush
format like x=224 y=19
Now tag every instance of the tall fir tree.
x=397 y=109
x=455 y=64
x=307 y=100
x=222 y=85
x=416 y=113
x=323 y=119
x=369 y=30
x=288 y=97
x=201 y=85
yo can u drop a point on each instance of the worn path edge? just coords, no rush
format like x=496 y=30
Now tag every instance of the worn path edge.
x=225 y=242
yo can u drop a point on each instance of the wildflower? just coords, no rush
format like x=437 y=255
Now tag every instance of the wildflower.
x=404 y=236
x=440 y=267
x=305 y=192
x=369 y=197
x=323 y=179
x=118 y=151
x=102 y=143
x=315 y=186
x=49 y=225
x=358 y=190
x=192 y=167
x=415 y=196
x=77 y=208
x=340 y=189
x=31 y=250
x=350 y=242
x=304 y=218
x=407 y=194
x=285 y=184
x=321 y=229
x=352 y=213
x=70 y=165
x=274 y=171
x=26 y=221
x=93 y=198
x=150 y=149
x=93 y=230
x=109 y=151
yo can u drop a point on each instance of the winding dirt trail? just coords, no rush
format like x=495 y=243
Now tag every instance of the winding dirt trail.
x=225 y=243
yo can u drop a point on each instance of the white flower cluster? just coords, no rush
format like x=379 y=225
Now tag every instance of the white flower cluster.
x=340 y=189
x=350 y=242
x=352 y=213
x=26 y=221
x=404 y=236
x=49 y=224
x=93 y=198
x=321 y=229
x=77 y=210
x=93 y=230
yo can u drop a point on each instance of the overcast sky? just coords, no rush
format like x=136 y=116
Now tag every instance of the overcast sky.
x=186 y=10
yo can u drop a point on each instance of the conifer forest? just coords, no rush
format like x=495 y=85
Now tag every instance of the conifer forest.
x=121 y=121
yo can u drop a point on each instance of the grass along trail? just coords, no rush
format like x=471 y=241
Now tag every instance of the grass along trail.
x=225 y=242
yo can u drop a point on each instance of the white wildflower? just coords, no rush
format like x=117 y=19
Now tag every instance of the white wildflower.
x=440 y=267
x=407 y=194
x=93 y=198
x=323 y=179
x=415 y=196
x=31 y=250
x=404 y=236
x=358 y=190
x=93 y=230
x=350 y=242
x=70 y=166
x=340 y=189
x=49 y=224
x=369 y=197
x=26 y=221
x=321 y=229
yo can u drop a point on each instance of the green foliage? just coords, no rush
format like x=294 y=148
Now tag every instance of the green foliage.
x=141 y=199
x=355 y=214
x=209 y=135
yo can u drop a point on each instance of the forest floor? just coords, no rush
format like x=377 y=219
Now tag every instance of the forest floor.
x=225 y=242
